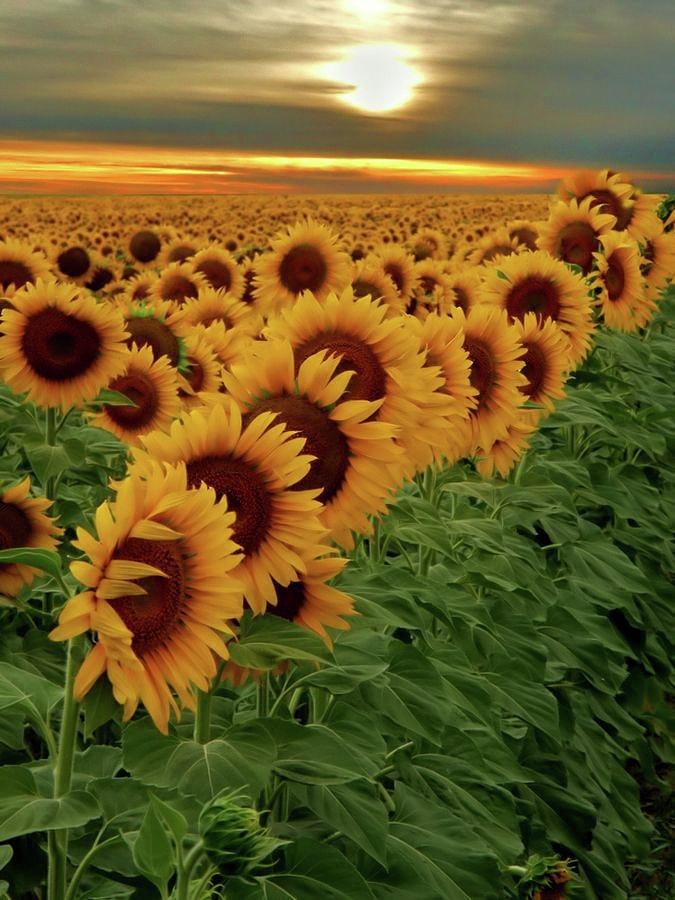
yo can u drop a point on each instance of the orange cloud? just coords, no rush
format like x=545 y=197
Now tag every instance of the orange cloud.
x=63 y=167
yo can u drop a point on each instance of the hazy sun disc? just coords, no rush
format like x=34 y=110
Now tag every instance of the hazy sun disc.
x=380 y=78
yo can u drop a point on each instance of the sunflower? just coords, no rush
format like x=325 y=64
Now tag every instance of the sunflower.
x=546 y=361
x=496 y=362
x=432 y=291
x=658 y=257
x=228 y=344
x=158 y=325
x=441 y=338
x=145 y=246
x=203 y=372
x=178 y=282
x=73 y=263
x=258 y=467
x=608 y=193
x=572 y=232
x=356 y=462
x=383 y=353
x=465 y=284
x=399 y=265
x=101 y=276
x=313 y=604
x=505 y=452
x=306 y=258
x=139 y=286
x=152 y=385
x=211 y=306
x=429 y=243
x=535 y=282
x=159 y=592
x=23 y=523
x=60 y=346
x=524 y=232
x=619 y=283
x=177 y=250
x=494 y=246
x=220 y=269
x=19 y=266
x=370 y=280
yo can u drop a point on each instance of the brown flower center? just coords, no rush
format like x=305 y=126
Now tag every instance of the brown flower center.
x=195 y=375
x=152 y=618
x=534 y=369
x=147 y=331
x=217 y=273
x=290 y=601
x=461 y=298
x=615 y=278
x=303 y=268
x=73 y=262
x=324 y=440
x=395 y=272
x=369 y=381
x=249 y=286
x=533 y=294
x=139 y=388
x=58 y=346
x=101 y=277
x=15 y=527
x=497 y=250
x=606 y=202
x=364 y=288
x=145 y=246
x=576 y=244
x=525 y=235
x=13 y=272
x=178 y=287
x=483 y=370
x=246 y=492
x=181 y=253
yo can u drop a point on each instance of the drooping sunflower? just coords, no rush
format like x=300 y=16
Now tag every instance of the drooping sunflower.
x=619 y=283
x=211 y=306
x=658 y=257
x=356 y=462
x=535 y=282
x=60 y=346
x=546 y=362
x=220 y=269
x=178 y=282
x=441 y=338
x=159 y=592
x=23 y=523
x=305 y=258
x=432 y=291
x=313 y=604
x=156 y=324
x=370 y=280
x=505 y=452
x=399 y=265
x=20 y=265
x=258 y=467
x=152 y=385
x=572 y=232
x=496 y=355
x=203 y=371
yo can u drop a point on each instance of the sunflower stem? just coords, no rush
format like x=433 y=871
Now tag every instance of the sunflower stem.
x=202 y=728
x=63 y=773
x=262 y=697
x=50 y=439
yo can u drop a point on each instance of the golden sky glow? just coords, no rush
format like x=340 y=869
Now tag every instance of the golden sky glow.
x=73 y=167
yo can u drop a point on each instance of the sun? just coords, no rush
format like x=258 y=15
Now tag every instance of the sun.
x=379 y=77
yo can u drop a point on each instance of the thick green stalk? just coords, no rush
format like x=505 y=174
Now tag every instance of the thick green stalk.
x=50 y=439
x=185 y=871
x=63 y=773
x=202 y=729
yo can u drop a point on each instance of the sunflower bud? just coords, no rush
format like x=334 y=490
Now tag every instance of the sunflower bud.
x=233 y=838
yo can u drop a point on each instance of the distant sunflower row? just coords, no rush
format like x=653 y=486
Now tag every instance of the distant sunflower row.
x=274 y=405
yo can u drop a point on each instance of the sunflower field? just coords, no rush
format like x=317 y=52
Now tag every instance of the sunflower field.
x=336 y=546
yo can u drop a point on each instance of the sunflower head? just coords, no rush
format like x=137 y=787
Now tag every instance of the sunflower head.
x=619 y=283
x=20 y=265
x=572 y=232
x=23 y=523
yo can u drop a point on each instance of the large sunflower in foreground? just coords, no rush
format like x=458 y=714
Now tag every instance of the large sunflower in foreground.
x=306 y=258
x=60 y=346
x=619 y=283
x=19 y=266
x=152 y=385
x=496 y=362
x=537 y=283
x=572 y=232
x=545 y=364
x=313 y=604
x=505 y=452
x=356 y=462
x=159 y=592
x=257 y=467
x=23 y=523
x=383 y=353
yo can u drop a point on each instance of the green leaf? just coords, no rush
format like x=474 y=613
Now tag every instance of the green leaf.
x=264 y=641
x=47 y=461
x=175 y=820
x=23 y=810
x=99 y=706
x=6 y=853
x=112 y=398
x=45 y=560
x=152 y=849
x=31 y=695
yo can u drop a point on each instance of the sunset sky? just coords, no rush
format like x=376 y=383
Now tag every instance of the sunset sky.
x=331 y=95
